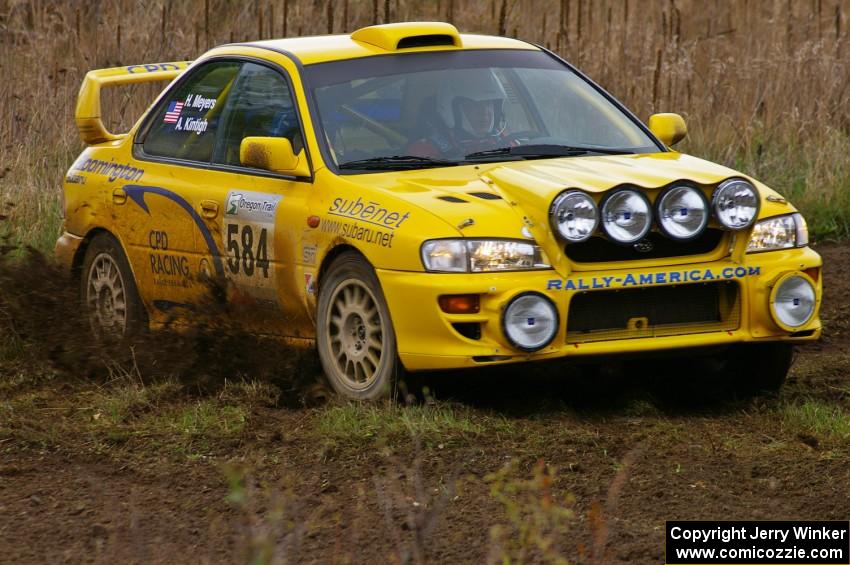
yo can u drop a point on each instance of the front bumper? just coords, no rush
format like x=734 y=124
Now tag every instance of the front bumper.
x=427 y=339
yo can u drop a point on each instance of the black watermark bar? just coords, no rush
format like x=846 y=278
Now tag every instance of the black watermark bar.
x=757 y=543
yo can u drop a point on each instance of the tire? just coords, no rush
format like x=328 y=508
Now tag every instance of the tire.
x=108 y=291
x=354 y=332
x=763 y=367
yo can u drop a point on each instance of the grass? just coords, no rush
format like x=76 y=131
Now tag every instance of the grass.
x=206 y=418
x=813 y=172
x=123 y=416
x=433 y=422
x=819 y=419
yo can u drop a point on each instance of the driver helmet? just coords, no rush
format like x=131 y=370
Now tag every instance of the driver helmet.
x=470 y=101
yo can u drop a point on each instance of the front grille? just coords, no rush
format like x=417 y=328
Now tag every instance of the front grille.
x=653 y=311
x=599 y=249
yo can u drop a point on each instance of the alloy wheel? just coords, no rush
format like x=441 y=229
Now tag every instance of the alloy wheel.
x=105 y=297
x=355 y=334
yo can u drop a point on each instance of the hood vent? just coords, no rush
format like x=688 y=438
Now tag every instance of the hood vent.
x=452 y=199
x=485 y=195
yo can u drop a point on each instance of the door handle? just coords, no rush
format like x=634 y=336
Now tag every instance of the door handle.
x=119 y=196
x=209 y=209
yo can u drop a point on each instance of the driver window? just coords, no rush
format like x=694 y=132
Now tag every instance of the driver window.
x=261 y=105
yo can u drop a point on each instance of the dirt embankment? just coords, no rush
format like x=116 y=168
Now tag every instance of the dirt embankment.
x=352 y=484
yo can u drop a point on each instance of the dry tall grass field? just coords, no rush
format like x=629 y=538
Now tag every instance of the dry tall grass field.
x=764 y=84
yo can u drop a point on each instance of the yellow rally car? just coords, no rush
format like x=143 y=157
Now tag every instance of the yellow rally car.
x=410 y=197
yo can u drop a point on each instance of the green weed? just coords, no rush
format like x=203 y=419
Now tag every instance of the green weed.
x=537 y=517
x=817 y=418
x=357 y=422
x=205 y=419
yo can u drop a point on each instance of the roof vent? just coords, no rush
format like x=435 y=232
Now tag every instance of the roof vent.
x=425 y=41
x=392 y=37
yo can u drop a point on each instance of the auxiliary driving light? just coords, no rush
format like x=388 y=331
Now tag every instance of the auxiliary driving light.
x=626 y=216
x=574 y=216
x=530 y=321
x=682 y=212
x=793 y=301
x=736 y=204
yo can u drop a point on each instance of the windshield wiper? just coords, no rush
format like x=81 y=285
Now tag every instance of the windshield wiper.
x=396 y=162
x=546 y=150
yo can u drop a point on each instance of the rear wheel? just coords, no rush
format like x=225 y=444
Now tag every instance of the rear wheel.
x=355 y=335
x=108 y=291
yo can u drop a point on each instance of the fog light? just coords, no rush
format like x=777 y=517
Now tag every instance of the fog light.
x=530 y=321
x=574 y=216
x=736 y=204
x=682 y=212
x=793 y=301
x=626 y=216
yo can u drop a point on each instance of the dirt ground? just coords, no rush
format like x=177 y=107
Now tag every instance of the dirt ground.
x=626 y=453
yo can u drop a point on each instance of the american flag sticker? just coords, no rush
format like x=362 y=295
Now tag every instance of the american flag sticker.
x=173 y=112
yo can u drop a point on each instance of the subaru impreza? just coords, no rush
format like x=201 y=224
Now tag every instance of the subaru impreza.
x=407 y=197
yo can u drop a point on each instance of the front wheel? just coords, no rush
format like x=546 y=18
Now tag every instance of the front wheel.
x=355 y=335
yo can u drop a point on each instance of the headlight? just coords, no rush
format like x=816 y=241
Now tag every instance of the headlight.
x=481 y=255
x=574 y=216
x=736 y=204
x=682 y=212
x=625 y=216
x=530 y=321
x=793 y=301
x=780 y=232
x=446 y=255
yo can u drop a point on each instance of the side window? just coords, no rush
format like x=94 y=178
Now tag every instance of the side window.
x=185 y=127
x=261 y=105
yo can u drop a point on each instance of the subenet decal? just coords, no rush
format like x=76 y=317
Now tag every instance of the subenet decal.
x=369 y=212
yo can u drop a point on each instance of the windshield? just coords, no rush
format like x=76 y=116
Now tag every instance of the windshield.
x=445 y=108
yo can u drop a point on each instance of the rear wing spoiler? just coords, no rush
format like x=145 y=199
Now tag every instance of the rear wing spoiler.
x=88 y=113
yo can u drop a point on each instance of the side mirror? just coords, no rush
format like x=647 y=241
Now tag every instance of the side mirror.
x=669 y=128
x=273 y=154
